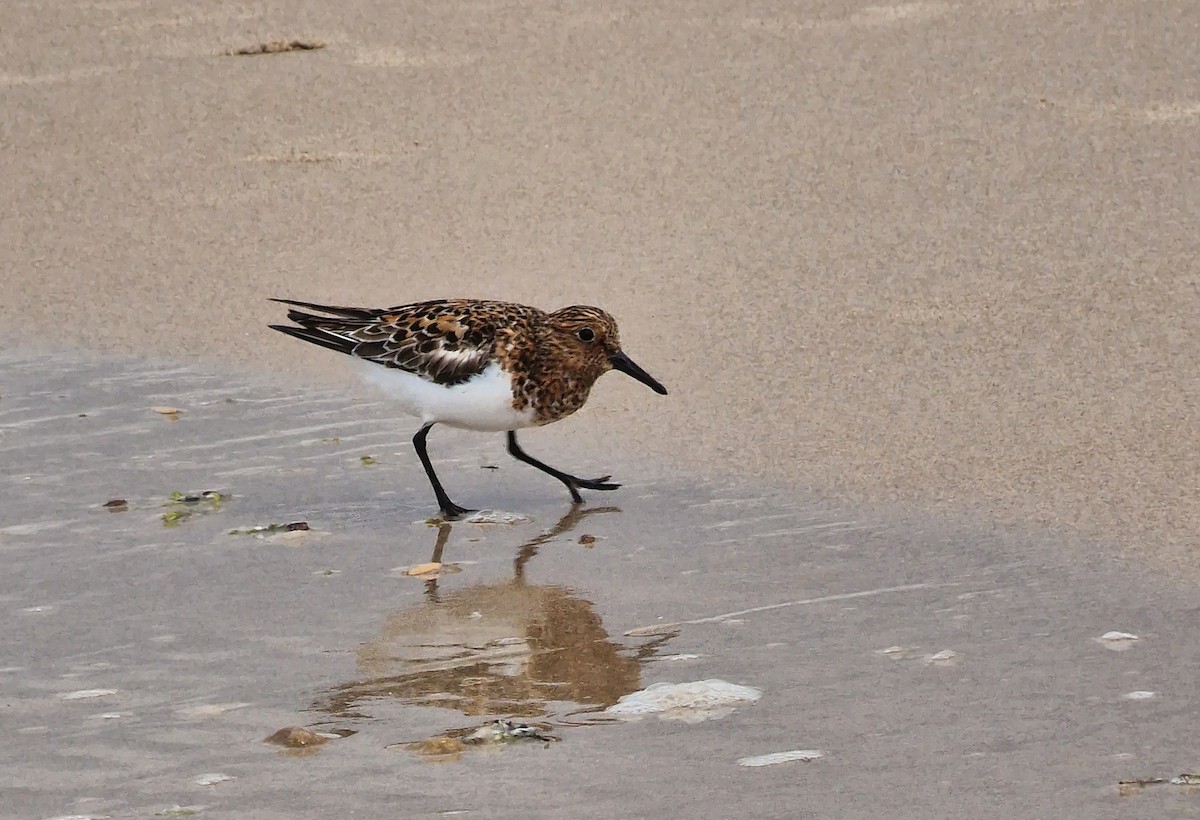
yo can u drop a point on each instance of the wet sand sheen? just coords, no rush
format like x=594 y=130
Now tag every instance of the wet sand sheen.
x=874 y=658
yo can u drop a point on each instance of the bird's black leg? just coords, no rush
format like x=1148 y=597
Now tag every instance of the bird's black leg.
x=449 y=508
x=573 y=483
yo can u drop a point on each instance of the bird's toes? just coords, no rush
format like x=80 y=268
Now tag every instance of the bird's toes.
x=601 y=483
x=452 y=512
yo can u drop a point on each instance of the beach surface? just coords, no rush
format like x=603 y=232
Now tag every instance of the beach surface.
x=914 y=668
x=921 y=278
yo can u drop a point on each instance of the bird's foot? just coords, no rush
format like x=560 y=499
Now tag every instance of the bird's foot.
x=453 y=512
x=577 y=484
x=601 y=483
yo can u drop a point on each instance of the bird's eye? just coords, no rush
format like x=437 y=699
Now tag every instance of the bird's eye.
x=586 y=334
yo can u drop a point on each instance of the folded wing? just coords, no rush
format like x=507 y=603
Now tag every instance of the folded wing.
x=445 y=342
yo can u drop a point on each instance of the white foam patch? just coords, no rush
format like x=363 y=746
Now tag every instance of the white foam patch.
x=213 y=778
x=690 y=702
x=84 y=694
x=782 y=757
x=497 y=517
x=208 y=710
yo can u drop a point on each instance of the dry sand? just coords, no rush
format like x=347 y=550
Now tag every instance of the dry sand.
x=935 y=256
x=940 y=254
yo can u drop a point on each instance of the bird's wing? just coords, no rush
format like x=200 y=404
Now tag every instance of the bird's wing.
x=445 y=342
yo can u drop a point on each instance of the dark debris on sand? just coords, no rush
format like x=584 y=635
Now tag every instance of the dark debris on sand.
x=276 y=47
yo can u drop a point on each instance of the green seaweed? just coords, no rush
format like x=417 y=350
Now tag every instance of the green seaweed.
x=185 y=505
x=175 y=517
x=263 y=529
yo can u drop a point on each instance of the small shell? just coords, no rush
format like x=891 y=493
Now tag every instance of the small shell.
x=1117 y=641
x=947 y=657
x=430 y=570
x=296 y=737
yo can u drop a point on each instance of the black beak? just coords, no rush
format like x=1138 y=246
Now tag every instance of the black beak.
x=626 y=365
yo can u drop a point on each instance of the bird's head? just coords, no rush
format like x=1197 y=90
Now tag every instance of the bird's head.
x=589 y=336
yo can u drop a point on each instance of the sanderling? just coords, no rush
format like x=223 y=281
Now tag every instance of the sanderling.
x=477 y=365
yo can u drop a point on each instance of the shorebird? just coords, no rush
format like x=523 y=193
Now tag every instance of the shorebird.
x=477 y=365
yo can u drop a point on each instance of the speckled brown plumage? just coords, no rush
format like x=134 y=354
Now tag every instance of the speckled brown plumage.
x=477 y=365
x=447 y=341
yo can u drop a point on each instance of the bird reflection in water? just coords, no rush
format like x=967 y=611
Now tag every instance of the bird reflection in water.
x=508 y=648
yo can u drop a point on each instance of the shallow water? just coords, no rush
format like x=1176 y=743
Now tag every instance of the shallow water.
x=940 y=670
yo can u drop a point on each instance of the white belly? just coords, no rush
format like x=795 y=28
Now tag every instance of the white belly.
x=483 y=403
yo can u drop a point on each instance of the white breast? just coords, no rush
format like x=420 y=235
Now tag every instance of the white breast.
x=483 y=402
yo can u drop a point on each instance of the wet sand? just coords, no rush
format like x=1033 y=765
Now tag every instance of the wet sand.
x=942 y=671
x=928 y=270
